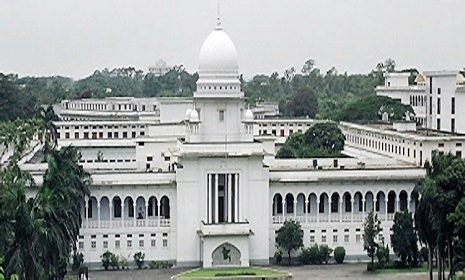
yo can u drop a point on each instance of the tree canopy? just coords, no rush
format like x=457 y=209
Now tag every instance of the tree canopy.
x=404 y=239
x=290 y=236
x=323 y=139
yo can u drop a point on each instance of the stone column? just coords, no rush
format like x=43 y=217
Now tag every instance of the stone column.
x=352 y=202
x=295 y=208
x=86 y=211
x=409 y=202
x=122 y=213
x=385 y=208
x=374 y=205
x=229 y=183
x=215 y=218
x=236 y=195
x=98 y=213
x=146 y=212
x=317 y=209
x=340 y=209
x=330 y=202
x=110 y=203
x=134 y=204
x=397 y=203
x=209 y=196
x=159 y=213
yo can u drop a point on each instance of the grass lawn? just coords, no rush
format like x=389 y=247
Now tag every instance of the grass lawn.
x=402 y=270
x=236 y=271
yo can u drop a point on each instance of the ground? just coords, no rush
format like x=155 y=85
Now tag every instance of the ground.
x=318 y=272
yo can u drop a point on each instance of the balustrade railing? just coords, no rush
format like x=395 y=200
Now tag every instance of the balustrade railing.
x=152 y=222
x=346 y=217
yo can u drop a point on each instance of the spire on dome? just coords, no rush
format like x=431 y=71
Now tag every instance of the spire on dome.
x=218 y=19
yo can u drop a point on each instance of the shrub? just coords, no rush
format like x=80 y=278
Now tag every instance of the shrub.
x=123 y=261
x=382 y=254
x=106 y=259
x=78 y=260
x=370 y=266
x=278 y=256
x=339 y=254
x=325 y=253
x=114 y=261
x=160 y=264
x=139 y=259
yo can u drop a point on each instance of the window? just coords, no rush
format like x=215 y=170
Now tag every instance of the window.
x=323 y=238
x=334 y=238
x=125 y=134
x=116 y=134
x=149 y=158
x=458 y=154
x=439 y=105
x=141 y=243
x=141 y=143
x=105 y=244
x=357 y=238
x=110 y=135
x=167 y=158
x=133 y=134
x=439 y=90
x=165 y=243
x=100 y=135
x=438 y=124
x=153 y=243
x=452 y=125
x=81 y=245
x=76 y=135
x=221 y=115
x=453 y=105
x=346 y=238
x=86 y=135
x=142 y=133
x=67 y=135
x=93 y=244
x=117 y=244
x=312 y=238
x=129 y=243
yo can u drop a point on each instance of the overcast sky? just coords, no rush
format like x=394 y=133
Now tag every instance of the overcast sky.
x=73 y=38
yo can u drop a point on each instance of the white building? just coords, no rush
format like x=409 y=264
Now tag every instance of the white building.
x=433 y=98
x=202 y=187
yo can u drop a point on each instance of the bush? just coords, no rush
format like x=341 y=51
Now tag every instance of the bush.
x=123 y=261
x=139 y=259
x=382 y=254
x=114 y=261
x=370 y=266
x=310 y=255
x=78 y=260
x=160 y=264
x=325 y=253
x=339 y=254
x=106 y=259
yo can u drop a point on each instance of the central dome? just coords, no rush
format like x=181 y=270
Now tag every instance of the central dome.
x=218 y=53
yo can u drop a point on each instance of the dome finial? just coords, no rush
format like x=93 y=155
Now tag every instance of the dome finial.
x=218 y=19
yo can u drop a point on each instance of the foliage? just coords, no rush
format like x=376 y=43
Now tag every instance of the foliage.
x=114 y=261
x=15 y=103
x=38 y=233
x=404 y=239
x=123 y=262
x=139 y=259
x=371 y=229
x=323 y=139
x=325 y=253
x=106 y=259
x=316 y=254
x=290 y=237
x=302 y=104
x=160 y=264
x=278 y=254
x=371 y=108
x=382 y=254
x=339 y=254
x=442 y=190
x=78 y=260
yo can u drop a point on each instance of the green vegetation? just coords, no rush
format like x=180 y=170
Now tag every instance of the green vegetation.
x=439 y=215
x=323 y=139
x=371 y=229
x=317 y=254
x=139 y=259
x=38 y=233
x=239 y=271
x=339 y=254
x=160 y=264
x=404 y=239
x=290 y=237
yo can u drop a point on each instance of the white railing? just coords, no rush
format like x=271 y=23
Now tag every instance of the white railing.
x=347 y=217
x=152 y=222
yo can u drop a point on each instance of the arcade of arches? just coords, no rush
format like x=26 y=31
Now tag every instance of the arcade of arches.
x=336 y=207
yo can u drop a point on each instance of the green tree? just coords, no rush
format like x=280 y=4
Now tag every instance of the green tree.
x=404 y=239
x=303 y=104
x=371 y=229
x=290 y=237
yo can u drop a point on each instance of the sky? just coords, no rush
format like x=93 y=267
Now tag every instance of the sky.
x=74 y=38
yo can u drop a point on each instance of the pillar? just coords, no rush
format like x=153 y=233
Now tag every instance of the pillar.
x=352 y=202
x=229 y=184
x=306 y=210
x=374 y=205
x=147 y=212
x=295 y=208
x=159 y=213
x=397 y=203
x=209 y=196
x=122 y=213
x=363 y=208
x=110 y=203
x=236 y=196
x=215 y=218
x=134 y=204
x=340 y=208
x=98 y=213
x=86 y=211
x=317 y=209
x=330 y=202
x=385 y=208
